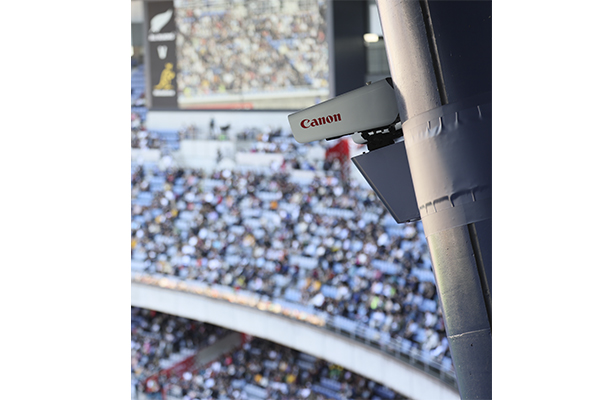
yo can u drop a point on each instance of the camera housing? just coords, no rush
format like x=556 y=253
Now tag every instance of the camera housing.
x=365 y=109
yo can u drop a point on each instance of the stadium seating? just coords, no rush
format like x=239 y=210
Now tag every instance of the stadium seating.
x=402 y=262
x=256 y=368
x=138 y=88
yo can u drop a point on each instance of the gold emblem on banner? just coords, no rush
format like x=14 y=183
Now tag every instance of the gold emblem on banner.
x=166 y=76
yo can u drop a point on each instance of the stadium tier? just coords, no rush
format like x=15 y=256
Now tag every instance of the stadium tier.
x=320 y=246
x=178 y=358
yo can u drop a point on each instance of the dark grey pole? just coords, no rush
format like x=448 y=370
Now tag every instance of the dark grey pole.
x=440 y=60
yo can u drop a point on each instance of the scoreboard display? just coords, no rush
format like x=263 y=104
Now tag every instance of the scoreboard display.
x=237 y=54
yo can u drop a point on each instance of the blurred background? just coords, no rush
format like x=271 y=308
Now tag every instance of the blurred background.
x=262 y=268
x=69 y=174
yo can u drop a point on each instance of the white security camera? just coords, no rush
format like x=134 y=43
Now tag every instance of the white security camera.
x=369 y=108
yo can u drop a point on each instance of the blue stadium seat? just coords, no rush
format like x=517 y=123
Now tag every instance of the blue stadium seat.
x=255 y=391
x=293 y=295
x=326 y=392
x=387 y=267
x=178 y=190
x=384 y=392
x=137 y=265
x=329 y=291
x=144 y=199
x=270 y=364
x=331 y=384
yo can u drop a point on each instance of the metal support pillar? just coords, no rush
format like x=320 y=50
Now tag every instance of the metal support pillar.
x=440 y=61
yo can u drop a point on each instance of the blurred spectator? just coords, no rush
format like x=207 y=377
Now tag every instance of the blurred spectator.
x=157 y=337
x=328 y=244
x=262 y=369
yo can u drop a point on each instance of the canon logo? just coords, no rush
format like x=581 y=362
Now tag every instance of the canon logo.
x=311 y=123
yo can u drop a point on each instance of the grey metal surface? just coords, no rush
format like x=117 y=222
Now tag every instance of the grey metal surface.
x=483 y=231
x=450 y=150
x=409 y=57
x=465 y=310
x=450 y=161
x=473 y=363
x=458 y=282
x=399 y=196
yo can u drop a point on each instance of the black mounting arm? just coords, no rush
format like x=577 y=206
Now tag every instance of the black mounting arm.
x=385 y=138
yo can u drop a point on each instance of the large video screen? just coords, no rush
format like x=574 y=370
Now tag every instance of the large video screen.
x=239 y=54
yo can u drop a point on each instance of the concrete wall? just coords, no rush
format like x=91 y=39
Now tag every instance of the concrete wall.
x=301 y=336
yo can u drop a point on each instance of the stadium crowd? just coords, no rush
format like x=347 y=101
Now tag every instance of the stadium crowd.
x=143 y=139
x=327 y=244
x=259 y=369
x=266 y=370
x=243 y=48
x=158 y=340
